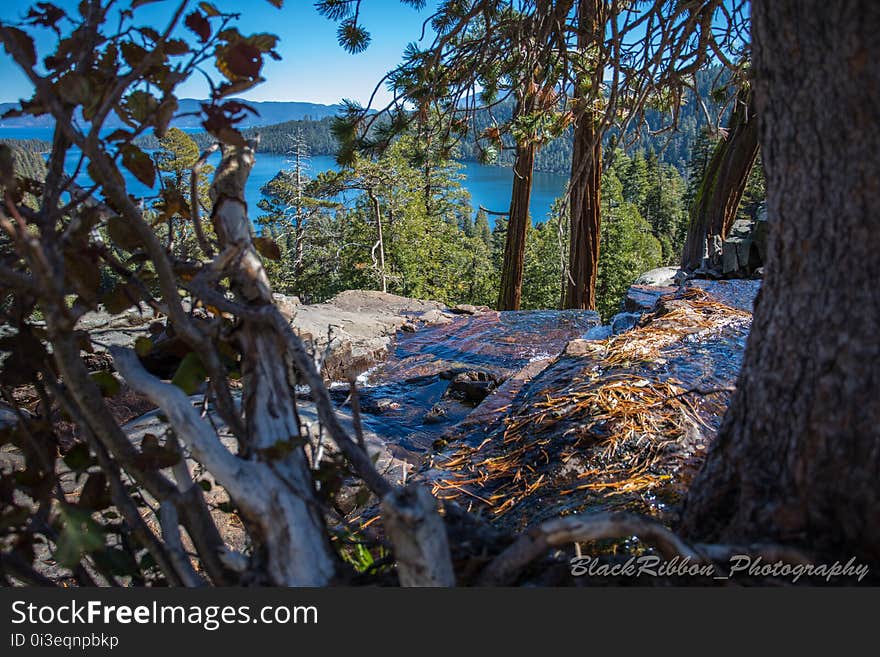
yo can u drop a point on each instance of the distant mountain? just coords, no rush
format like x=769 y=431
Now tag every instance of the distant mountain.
x=270 y=112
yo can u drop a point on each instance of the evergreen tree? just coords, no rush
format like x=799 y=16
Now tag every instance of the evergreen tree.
x=629 y=247
x=481 y=228
x=175 y=158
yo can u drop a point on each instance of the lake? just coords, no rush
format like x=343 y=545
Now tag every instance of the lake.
x=489 y=186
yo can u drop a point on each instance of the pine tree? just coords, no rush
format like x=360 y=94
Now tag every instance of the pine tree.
x=482 y=229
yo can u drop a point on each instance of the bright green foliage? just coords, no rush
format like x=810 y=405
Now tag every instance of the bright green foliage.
x=291 y=211
x=175 y=158
x=657 y=190
x=633 y=175
x=701 y=154
x=628 y=247
x=432 y=248
x=177 y=155
x=755 y=192
x=546 y=248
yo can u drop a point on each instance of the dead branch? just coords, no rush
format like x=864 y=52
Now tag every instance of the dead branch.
x=505 y=568
x=418 y=535
x=168 y=520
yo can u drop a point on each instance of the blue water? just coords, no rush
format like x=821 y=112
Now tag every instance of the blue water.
x=489 y=186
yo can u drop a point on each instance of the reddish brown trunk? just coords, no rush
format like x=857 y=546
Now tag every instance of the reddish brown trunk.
x=721 y=191
x=515 y=246
x=585 y=202
x=585 y=185
x=798 y=456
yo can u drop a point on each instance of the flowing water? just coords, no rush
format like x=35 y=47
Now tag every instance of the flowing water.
x=656 y=393
x=413 y=398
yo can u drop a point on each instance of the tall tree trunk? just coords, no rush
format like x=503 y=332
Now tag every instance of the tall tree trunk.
x=380 y=241
x=722 y=188
x=585 y=184
x=299 y=222
x=515 y=246
x=798 y=456
x=300 y=238
x=585 y=200
x=292 y=539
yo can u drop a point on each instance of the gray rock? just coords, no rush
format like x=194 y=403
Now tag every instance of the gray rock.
x=352 y=331
x=745 y=248
x=623 y=322
x=643 y=298
x=473 y=386
x=286 y=304
x=662 y=276
x=736 y=293
x=117 y=330
x=601 y=332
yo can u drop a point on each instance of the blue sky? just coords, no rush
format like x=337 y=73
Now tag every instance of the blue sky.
x=314 y=68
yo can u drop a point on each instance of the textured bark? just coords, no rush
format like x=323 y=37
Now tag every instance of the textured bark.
x=798 y=456
x=585 y=185
x=722 y=188
x=515 y=246
x=380 y=241
x=417 y=532
x=585 y=201
x=293 y=537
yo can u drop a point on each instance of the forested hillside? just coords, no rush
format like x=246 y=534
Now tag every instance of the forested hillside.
x=276 y=138
x=28 y=156
x=672 y=146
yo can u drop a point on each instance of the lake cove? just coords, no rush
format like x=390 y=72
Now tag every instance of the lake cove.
x=489 y=186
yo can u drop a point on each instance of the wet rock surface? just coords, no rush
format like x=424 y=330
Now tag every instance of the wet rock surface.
x=642 y=298
x=611 y=424
x=350 y=333
x=521 y=416
x=438 y=374
x=353 y=331
x=737 y=293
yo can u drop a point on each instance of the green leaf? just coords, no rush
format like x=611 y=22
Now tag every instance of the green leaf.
x=95 y=495
x=143 y=346
x=25 y=44
x=141 y=105
x=74 y=89
x=154 y=456
x=120 y=298
x=199 y=25
x=79 y=535
x=139 y=163
x=267 y=247
x=78 y=458
x=122 y=234
x=133 y=54
x=361 y=497
x=190 y=374
x=176 y=47
x=106 y=382
x=84 y=274
x=116 y=561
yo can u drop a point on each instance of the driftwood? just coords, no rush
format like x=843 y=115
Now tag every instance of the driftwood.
x=558 y=532
x=416 y=530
